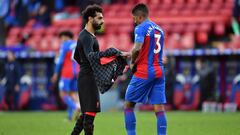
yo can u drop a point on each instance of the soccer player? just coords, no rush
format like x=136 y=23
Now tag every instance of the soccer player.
x=68 y=68
x=88 y=91
x=147 y=83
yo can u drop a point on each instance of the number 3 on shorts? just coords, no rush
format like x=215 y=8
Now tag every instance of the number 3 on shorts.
x=158 y=47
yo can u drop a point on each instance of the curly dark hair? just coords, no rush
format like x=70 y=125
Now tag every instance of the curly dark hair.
x=90 y=11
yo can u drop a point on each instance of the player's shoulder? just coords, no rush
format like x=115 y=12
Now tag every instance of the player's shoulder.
x=141 y=28
x=143 y=25
x=156 y=26
x=84 y=35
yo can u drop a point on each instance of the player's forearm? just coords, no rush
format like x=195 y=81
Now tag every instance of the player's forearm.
x=135 y=51
x=134 y=56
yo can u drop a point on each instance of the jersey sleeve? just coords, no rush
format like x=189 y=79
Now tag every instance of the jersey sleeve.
x=139 y=35
x=60 y=58
x=76 y=56
x=87 y=45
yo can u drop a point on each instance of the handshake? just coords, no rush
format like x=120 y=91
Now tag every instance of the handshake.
x=127 y=55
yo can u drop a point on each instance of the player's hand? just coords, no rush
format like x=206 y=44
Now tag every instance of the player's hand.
x=133 y=67
x=126 y=54
x=54 y=78
x=165 y=60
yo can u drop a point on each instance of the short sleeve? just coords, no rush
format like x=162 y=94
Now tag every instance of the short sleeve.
x=87 y=45
x=139 y=35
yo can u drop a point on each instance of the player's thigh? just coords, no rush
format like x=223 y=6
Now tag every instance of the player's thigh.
x=138 y=90
x=157 y=94
x=64 y=85
x=88 y=94
x=73 y=85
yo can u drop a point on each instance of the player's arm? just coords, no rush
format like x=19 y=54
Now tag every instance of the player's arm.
x=87 y=42
x=135 y=51
x=59 y=63
x=138 y=43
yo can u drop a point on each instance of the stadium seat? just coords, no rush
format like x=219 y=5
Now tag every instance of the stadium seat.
x=229 y=1
x=131 y=2
x=15 y=31
x=178 y=28
x=219 y=29
x=217 y=1
x=205 y=1
x=216 y=6
x=199 y=12
x=191 y=27
x=27 y=30
x=124 y=42
x=67 y=22
x=44 y=45
x=30 y=23
x=179 y=2
x=112 y=40
x=158 y=13
x=187 y=40
x=126 y=29
x=192 y=2
x=167 y=2
x=202 y=33
x=166 y=27
x=202 y=37
x=34 y=41
x=39 y=32
x=212 y=11
x=76 y=30
x=173 y=12
x=112 y=29
x=71 y=9
x=12 y=41
x=53 y=43
x=143 y=1
x=186 y=12
x=173 y=41
x=154 y=2
x=51 y=31
x=102 y=43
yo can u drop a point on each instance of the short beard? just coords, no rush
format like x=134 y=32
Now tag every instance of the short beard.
x=96 y=26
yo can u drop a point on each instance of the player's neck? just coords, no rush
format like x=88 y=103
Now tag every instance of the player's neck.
x=144 y=20
x=90 y=29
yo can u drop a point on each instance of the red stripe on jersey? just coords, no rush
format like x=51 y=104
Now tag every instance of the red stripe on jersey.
x=142 y=60
x=67 y=67
x=156 y=65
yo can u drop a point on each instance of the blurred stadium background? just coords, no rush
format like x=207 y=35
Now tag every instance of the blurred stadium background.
x=202 y=44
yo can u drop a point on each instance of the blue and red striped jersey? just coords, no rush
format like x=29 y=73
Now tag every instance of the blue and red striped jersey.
x=149 y=61
x=65 y=61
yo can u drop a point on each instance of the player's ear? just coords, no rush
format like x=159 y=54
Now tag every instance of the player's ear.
x=90 y=19
x=141 y=18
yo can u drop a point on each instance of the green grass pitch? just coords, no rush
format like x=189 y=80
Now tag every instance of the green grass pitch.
x=111 y=123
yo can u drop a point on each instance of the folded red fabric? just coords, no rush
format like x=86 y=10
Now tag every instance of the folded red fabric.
x=106 y=60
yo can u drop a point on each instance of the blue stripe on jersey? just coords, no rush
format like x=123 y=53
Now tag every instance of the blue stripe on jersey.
x=66 y=46
x=148 y=28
